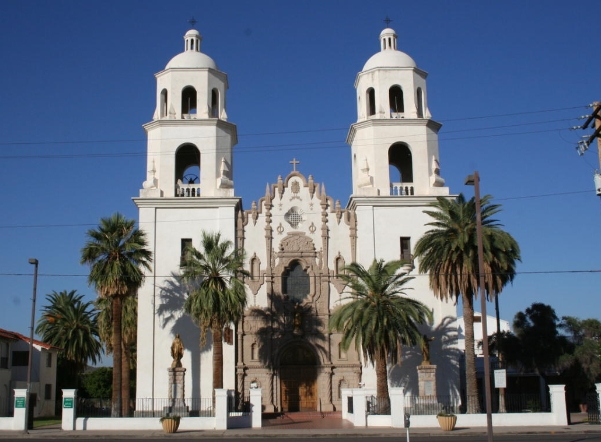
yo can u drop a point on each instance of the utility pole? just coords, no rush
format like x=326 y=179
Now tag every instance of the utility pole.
x=584 y=144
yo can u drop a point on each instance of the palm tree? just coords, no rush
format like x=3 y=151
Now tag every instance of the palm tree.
x=217 y=296
x=117 y=255
x=129 y=330
x=70 y=324
x=377 y=317
x=449 y=253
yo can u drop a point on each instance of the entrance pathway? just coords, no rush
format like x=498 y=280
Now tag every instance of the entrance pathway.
x=306 y=420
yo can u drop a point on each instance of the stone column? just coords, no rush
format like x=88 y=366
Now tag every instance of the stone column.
x=221 y=409
x=397 y=407
x=558 y=404
x=177 y=392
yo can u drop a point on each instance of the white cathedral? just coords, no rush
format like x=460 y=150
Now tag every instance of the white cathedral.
x=296 y=237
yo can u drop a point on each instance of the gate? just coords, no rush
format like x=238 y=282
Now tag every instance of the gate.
x=592 y=402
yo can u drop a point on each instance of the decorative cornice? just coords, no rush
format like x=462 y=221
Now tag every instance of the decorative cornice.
x=187 y=203
x=393 y=201
x=380 y=122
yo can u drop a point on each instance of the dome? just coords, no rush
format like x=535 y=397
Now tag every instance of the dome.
x=191 y=59
x=389 y=56
x=389 y=59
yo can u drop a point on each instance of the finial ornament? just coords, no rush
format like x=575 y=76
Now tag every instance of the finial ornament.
x=192 y=21
x=387 y=20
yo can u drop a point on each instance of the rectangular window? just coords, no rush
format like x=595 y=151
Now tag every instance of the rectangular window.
x=48 y=360
x=48 y=392
x=20 y=358
x=185 y=244
x=406 y=249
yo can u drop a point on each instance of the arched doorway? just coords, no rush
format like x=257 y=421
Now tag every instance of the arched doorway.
x=298 y=379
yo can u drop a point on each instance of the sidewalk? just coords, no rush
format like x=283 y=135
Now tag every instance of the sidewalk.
x=306 y=428
x=57 y=433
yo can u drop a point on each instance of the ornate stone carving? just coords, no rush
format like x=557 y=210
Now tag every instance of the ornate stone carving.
x=297 y=243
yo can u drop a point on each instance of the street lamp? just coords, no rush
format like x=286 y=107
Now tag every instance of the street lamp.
x=35 y=263
x=474 y=180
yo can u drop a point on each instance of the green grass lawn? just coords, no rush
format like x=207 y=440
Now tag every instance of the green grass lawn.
x=39 y=422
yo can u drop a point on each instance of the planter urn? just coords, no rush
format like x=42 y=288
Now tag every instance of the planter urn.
x=447 y=423
x=170 y=425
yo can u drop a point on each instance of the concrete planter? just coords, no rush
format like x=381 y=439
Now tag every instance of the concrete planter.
x=170 y=425
x=447 y=423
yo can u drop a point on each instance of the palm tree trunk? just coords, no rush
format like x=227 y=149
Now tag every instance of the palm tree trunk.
x=217 y=357
x=471 y=383
x=382 y=382
x=116 y=400
x=125 y=379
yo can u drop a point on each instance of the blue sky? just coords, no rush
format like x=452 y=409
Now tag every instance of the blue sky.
x=507 y=80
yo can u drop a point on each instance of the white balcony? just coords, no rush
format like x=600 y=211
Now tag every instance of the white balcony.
x=401 y=189
x=187 y=190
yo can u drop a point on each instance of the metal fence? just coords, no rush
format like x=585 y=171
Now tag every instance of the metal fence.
x=5 y=410
x=238 y=403
x=377 y=405
x=149 y=407
x=592 y=408
x=509 y=403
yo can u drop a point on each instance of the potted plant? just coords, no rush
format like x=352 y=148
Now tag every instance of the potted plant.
x=170 y=423
x=446 y=420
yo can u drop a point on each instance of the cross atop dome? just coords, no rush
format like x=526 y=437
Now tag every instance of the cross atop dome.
x=387 y=20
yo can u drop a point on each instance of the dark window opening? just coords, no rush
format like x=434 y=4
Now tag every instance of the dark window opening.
x=163 y=104
x=186 y=243
x=188 y=101
x=420 y=103
x=295 y=282
x=395 y=98
x=406 y=249
x=48 y=360
x=20 y=358
x=214 y=103
x=48 y=392
x=371 y=101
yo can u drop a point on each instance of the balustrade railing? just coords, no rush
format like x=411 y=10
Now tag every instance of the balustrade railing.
x=187 y=190
x=401 y=189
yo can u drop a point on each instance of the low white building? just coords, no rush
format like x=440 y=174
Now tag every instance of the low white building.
x=491 y=328
x=14 y=359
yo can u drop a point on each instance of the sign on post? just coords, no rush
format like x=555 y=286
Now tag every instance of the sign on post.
x=19 y=402
x=501 y=378
x=68 y=402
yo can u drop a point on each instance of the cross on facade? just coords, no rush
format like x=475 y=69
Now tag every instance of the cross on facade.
x=387 y=21
x=294 y=162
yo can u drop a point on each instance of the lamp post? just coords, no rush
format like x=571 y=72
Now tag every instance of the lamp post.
x=35 y=263
x=474 y=180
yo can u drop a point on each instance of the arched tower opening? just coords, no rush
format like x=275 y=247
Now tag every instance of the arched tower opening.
x=396 y=102
x=187 y=170
x=371 y=102
x=214 y=103
x=163 y=104
x=420 y=103
x=188 y=101
x=400 y=169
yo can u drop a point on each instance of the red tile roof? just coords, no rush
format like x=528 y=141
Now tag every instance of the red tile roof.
x=7 y=334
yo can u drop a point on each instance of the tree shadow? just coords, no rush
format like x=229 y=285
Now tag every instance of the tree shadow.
x=284 y=323
x=170 y=311
x=443 y=353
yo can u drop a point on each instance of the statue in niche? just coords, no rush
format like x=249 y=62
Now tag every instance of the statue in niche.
x=298 y=319
x=177 y=352
x=425 y=347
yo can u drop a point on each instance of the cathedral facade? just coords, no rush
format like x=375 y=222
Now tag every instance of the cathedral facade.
x=296 y=238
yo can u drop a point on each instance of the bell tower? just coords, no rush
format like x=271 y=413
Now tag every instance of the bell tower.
x=190 y=140
x=188 y=190
x=394 y=142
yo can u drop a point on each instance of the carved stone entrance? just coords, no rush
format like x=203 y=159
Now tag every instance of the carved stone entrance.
x=298 y=379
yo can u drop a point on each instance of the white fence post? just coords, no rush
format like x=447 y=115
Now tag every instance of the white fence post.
x=256 y=407
x=359 y=407
x=220 y=409
x=558 y=404
x=397 y=407
x=69 y=410
x=20 y=415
